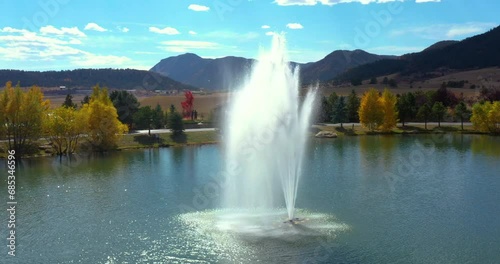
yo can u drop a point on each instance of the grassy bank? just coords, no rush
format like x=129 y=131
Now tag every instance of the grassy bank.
x=400 y=130
x=132 y=141
x=138 y=141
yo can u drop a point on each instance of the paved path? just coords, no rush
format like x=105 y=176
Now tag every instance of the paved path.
x=399 y=124
x=163 y=131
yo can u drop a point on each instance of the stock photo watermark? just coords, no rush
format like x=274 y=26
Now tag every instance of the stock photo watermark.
x=48 y=10
x=11 y=202
x=421 y=152
x=223 y=7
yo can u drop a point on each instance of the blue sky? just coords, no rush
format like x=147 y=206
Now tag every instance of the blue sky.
x=70 y=34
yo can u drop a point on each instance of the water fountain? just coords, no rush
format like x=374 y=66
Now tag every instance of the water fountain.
x=265 y=141
x=266 y=135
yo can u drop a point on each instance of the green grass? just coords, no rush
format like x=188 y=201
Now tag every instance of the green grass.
x=211 y=137
x=164 y=140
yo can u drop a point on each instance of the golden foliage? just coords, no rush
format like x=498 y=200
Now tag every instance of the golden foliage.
x=63 y=127
x=370 y=110
x=388 y=103
x=22 y=114
x=486 y=117
x=101 y=119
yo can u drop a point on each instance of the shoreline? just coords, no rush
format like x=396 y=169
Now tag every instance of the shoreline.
x=141 y=141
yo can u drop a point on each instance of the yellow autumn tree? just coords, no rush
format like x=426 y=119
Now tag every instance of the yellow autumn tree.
x=486 y=117
x=388 y=103
x=494 y=117
x=103 y=127
x=22 y=114
x=370 y=110
x=63 y=127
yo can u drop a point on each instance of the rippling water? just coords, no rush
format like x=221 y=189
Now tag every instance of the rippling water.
x=372 y=199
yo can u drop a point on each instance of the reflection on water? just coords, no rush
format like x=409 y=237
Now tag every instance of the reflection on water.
x=126 y=207
x=486 y=145
x=379 y=147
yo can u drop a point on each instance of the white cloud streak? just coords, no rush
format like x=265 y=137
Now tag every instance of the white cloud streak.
x=240 y=37
x=52 y=44
x=198 y=8
x=334 y=2
x=444 y=31
x=95 y=27
x=165 y=31
x=47 y=30
x=294 y=26
x=186 y=45
x=123 y=29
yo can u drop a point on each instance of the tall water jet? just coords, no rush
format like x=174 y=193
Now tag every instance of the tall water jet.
x=266 y=134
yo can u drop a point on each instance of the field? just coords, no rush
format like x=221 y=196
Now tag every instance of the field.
x=488 y=77
x=204 y=104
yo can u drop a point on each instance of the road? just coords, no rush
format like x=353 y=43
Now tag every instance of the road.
x=399 y=124
x=163 y=131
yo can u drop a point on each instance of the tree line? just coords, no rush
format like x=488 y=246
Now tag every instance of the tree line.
x=100 y=120
x=84 y=78
x=382 y=111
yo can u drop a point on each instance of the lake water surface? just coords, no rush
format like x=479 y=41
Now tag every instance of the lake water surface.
x=390 y=199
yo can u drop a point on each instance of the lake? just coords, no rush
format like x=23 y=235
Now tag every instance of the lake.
x=391 y=199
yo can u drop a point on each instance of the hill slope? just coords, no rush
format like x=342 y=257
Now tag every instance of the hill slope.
x=214 y=74
x=86 y=78
x=336 y=63
x=481 y=51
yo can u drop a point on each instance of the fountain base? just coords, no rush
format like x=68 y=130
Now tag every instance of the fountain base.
x=295 y=220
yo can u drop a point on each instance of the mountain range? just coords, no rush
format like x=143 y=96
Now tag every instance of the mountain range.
x=224 y=73
x=341 y=66
x=86 y=78
x=190 y=71
x=477 y=52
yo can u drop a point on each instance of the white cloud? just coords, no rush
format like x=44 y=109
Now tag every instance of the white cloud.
x=95 y=27
x=241 y=37
x=62 y=31
x=270 y=33
x=444 y=31
x=198 y=8
x=31 y=46
x=334 y=2
x=13 y=30
x=52 y=44
x=166 y=30
x=75 y=41
x=265 y=27
x=462 y=30
x=394 y=50
x=294 y=26
x=123 y=29
x=192 y=32
x=93 y=60
x=186 y=45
